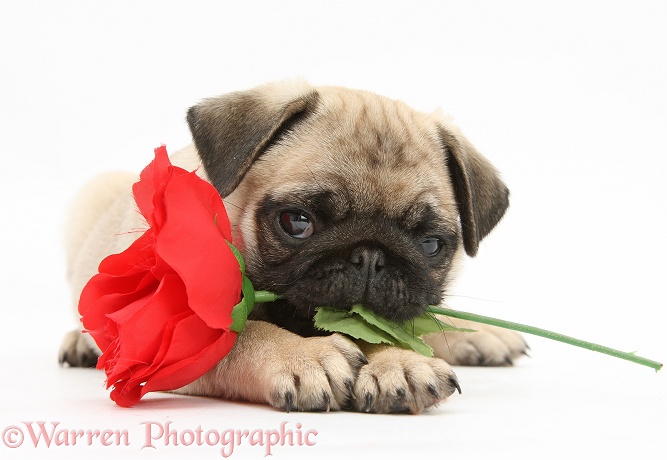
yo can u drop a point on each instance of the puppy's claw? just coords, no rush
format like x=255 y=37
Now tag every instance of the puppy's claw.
x=400 y=404
x=327 y=402
x=350 y=389
x=434 y=392
x=400 y=394
x=455 y=384
x=368 y=403
x=289 y=402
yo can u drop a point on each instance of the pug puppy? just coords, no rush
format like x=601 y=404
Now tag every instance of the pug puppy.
x=336 y=197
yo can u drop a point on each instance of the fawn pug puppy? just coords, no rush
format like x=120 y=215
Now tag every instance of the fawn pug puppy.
x=336 y=197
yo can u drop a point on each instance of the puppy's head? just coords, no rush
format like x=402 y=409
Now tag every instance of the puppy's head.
x=343 y=197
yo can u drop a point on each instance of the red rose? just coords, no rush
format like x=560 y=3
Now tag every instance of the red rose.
x=161 y=311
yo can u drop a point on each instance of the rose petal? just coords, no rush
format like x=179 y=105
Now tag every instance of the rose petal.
x=138 y=257
x=151 y=180
x=126 y=397
x=192 y=245
x=141 y=325
x=139 y=376
x=190 y=369
x=95 y=305
x=185 y=336
x=183 y=370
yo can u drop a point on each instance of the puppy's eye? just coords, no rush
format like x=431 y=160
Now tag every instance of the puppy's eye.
x=297 y=224
x=431 y=246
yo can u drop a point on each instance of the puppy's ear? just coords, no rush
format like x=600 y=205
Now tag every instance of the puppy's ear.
x=233 y=130
x=481 y=195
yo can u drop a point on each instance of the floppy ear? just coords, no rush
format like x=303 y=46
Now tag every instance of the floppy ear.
x=481 y=195
x=233 y=130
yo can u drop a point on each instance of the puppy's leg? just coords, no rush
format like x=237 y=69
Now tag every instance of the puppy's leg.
x=489 y=346
x=78 y=350
x=98 y=225
x=271 y=365
x=399 y=380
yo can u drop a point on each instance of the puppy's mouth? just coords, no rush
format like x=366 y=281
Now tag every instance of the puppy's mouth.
x=390 y=286
x=285 y=314
x=341 y=287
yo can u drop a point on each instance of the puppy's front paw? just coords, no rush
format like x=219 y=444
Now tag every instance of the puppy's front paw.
x=398 y=380
x=77 y=350
x=489 y=346
x=318 y=376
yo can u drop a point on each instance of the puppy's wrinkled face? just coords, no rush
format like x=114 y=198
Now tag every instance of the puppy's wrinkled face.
x=341 y=197
x=353 y=205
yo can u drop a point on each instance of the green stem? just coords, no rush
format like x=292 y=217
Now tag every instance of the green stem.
x=548 y=334
x=266 y=296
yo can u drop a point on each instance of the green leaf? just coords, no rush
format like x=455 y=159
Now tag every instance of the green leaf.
x=355 y=326
x=237 y=254
x=242 y=309
x=364 y=324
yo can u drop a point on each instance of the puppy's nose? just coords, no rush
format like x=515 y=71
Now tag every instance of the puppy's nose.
x=369 y=261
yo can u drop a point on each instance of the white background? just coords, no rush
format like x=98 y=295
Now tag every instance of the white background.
x=567 y=98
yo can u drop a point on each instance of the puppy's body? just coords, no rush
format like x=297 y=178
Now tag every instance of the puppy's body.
x=336 y=197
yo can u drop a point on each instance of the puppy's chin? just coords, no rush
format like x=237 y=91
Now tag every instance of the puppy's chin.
x=288 y=316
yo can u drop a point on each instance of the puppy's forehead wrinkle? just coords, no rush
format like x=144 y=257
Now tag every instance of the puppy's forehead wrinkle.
x=364 y=141
x=378 y=150
x=393 y=190
x=367 y=115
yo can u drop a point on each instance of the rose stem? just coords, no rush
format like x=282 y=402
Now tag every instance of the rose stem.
x=547 y=334
x=266 y=296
